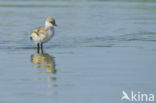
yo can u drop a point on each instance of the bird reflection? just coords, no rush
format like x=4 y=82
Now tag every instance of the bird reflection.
x=43 y=61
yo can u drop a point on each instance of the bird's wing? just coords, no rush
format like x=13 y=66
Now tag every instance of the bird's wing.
x=40 y=31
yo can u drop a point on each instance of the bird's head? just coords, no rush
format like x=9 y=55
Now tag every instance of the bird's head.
x=50 y=22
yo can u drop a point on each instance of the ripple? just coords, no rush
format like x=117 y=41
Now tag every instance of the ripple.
x=37 y=6
x=76 y=42
x=4 y=42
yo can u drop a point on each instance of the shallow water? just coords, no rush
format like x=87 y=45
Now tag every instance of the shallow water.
x=100 y=49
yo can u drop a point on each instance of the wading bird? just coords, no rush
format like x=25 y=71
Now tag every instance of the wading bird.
x=43 y=34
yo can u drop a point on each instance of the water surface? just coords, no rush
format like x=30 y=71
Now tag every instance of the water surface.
x=100 y=49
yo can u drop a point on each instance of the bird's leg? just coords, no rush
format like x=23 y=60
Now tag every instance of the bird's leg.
x=38 y=45
x=41 y=45
x=38 y=48
x=42 y=51
x=42 y=48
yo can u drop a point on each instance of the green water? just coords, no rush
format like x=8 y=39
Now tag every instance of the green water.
x=100 y=49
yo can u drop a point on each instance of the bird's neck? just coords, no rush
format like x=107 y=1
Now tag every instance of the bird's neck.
x=48 y=26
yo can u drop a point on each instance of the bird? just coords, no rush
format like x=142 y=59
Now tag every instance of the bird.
x=125 y=96
x=43 y=34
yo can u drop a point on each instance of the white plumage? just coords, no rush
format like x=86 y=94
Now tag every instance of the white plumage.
x=44 y=34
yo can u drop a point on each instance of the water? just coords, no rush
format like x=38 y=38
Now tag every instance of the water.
x=100 y=49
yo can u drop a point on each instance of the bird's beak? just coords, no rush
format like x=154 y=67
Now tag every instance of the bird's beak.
x=55 y=24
